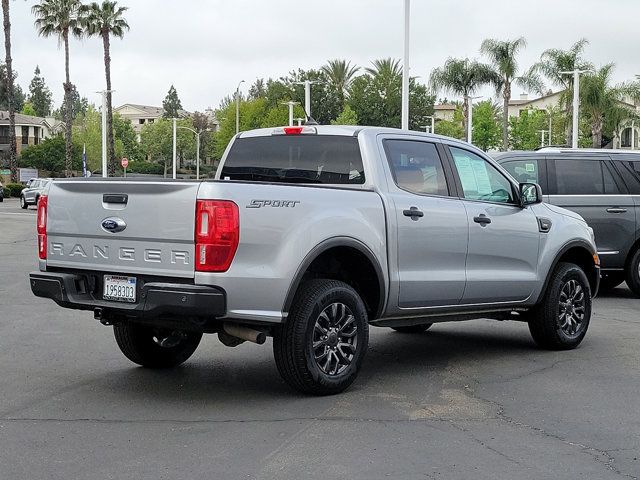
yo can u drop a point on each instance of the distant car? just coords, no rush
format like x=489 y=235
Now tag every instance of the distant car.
x=31 y=194
x=603 y=186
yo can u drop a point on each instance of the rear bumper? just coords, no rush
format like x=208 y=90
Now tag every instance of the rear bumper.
x=178 y=305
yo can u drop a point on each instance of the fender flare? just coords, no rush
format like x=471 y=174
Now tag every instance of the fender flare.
x=322 y=247
x=565 y=248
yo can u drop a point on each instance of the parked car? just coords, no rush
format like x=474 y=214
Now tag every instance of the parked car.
x=310 y=234
x=34 y=189
x=603 y=186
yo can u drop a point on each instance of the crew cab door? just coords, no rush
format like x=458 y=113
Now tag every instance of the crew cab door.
x=432 y=229
x=504 y=238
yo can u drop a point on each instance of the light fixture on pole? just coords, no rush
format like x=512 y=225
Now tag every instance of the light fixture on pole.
x=470 y=119
x=291 y=104
x=405 y=69
x=197 y=133
x=433 y=124
x=576 y=102
x=104 y=93
x=299 y=120
x=238 y=106
x=174 y=148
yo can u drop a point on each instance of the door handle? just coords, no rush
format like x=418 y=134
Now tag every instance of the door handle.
x=616 y=210
x=414 y=213
x=482 y=219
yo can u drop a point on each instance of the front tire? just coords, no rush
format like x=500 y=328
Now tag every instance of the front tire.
x=155 y=347
x=413 y=328
x=23 y=202
x=561 y=320
x=320 y=349
x=633 y=273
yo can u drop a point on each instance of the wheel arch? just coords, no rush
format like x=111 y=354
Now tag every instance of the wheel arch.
x=580 y=253
x=362 y=271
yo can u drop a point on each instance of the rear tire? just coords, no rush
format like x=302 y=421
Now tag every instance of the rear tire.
x=413 y=328
x=155 y=347
x=633 y=273
x=23 y=202
x=560 y=321
x=320 y=349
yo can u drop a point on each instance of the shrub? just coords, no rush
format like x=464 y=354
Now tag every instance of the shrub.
x=14 y=189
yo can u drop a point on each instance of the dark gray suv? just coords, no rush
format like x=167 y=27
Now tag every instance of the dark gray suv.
x=603 y=186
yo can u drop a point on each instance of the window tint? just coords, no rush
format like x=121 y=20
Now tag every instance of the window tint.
x=416 y=166
x=327 y=159
x=481 y=180
x=631 y=172
x=610 y=185
x=582 y=177
x=524 y=171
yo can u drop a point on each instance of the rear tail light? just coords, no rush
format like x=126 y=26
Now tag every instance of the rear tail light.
x=217 y=234
x=41 y=226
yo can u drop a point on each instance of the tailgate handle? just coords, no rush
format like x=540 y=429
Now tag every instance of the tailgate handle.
x=120 y=198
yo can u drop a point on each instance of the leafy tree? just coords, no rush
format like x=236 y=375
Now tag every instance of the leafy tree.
x=340 y=73
x=486 y=125
x=171 y=104
x=27 y=109
x=156 y=141
x=18 y=95
x=104 y=21
x=257 y=89
x=79 y=105
x=61 y=18
x=525 y=129
x=9 y=78
x=376 y=97
x=503 y=56
x=552 y=63
x=347 y=117
x=40 y=95
x=463 y=77
x=50 y=155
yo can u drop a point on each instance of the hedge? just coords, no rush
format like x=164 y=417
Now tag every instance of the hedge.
x=14 y=189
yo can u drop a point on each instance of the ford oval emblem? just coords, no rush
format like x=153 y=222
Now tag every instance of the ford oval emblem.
x=113 y=225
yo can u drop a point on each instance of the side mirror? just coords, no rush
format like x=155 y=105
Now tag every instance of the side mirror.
x=530 y=193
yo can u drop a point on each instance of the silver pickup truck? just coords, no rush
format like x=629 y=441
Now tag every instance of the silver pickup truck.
x=310 y=235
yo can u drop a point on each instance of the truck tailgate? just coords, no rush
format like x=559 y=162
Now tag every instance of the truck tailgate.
x=122 y=226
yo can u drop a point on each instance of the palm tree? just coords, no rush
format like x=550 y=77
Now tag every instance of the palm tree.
x=503 y=55
x=388 y=68
x=13 y=147
x=105 y=20
x=340 y=73
x=462 y=77
x=60 y=18
x=599 y=100
x=553 y=62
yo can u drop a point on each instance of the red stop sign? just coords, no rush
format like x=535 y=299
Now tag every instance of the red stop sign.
x=124 y=162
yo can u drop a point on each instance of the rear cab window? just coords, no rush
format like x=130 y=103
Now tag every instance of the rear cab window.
x=313 y=159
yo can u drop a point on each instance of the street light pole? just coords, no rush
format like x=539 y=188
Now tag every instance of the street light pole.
x=405 y=69
x=291 y=104
x=542 y=132
x=576 y=103
x=174 y=148
x=197 y=133
x=238 y=106
x=104 y=93
x=469 y=120
x=307 y=95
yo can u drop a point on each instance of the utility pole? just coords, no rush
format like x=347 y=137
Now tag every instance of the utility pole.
x=291 y=104
x=174 y=148
x=470 y=120
x=405 y=69
x=238 y=106
x=576 y=103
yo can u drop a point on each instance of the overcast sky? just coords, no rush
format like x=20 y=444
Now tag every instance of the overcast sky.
x=204 y=47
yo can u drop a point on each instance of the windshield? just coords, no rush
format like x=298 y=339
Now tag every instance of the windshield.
x=319 y=159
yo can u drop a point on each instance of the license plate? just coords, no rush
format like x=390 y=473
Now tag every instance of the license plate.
x=119 y=288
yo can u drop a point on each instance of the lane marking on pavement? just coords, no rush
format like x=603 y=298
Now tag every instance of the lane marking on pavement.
x=16 y=213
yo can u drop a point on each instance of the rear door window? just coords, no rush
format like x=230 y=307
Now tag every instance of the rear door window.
x=579 y=177
x=631 y=173
x=316 y=159
x=416 y=167
x=524 y=171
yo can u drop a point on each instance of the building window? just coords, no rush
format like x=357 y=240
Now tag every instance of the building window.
x=141 y=121
x=626 y=138
x=150 y=120
x=4 y=135
x=25 y=135
x=36 y=135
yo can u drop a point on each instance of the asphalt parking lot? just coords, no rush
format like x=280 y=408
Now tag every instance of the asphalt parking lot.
x=473 y=400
